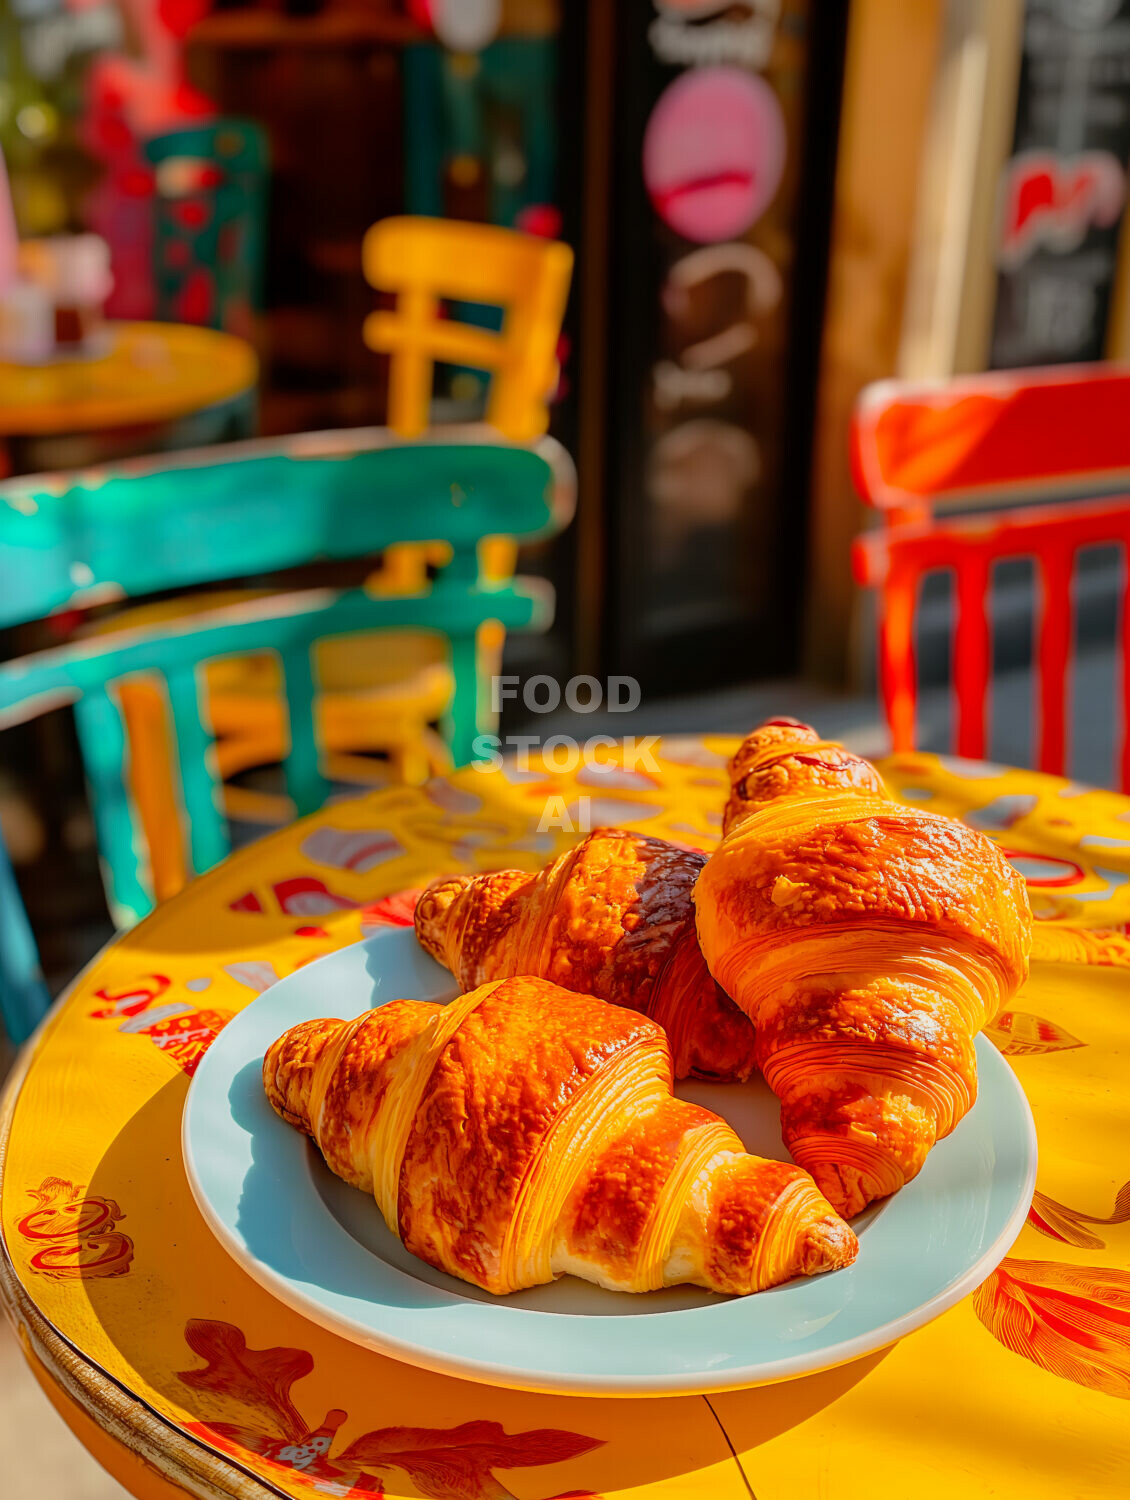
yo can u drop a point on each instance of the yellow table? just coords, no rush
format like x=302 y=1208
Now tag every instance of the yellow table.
x=152 y=372
x=181 y=1374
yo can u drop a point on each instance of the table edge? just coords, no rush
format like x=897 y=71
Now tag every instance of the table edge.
x=178 y=1458
x=153 y=411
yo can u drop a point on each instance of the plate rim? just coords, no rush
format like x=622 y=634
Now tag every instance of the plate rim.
x=490 y=1372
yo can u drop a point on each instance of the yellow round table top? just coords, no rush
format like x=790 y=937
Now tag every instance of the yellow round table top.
x=177 y=1369
x=151 y=372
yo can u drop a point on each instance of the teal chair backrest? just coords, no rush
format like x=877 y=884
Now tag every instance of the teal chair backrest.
x=209 y=223
x=69 y=542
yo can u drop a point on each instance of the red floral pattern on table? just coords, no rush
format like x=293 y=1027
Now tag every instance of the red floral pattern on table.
x=453 y=1463
x=176 y=1027
x=186 y=1038
x=1073 y=1321
x=297 y=896
x=130 y=1001
x=77 y=1234
x=1059 y=1222
x=1018 y=1034
x=397 y=910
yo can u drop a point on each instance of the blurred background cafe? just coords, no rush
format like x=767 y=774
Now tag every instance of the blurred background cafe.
x=371 y=371
x=783 y=338
x=299 y=224
x=785 y=297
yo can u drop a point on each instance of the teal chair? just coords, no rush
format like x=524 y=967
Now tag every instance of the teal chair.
x=23 y=994
x=210 y=223
x=69 y=542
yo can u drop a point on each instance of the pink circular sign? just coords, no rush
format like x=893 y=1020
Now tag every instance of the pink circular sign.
x=713 y=153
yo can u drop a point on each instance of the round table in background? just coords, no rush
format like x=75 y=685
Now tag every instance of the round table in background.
x=181 y=1374
x=150 y=372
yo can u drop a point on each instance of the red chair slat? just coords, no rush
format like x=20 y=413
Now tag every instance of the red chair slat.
x=1053 y=653
x=971 y=652
x=898 y=677
x=1123 y=766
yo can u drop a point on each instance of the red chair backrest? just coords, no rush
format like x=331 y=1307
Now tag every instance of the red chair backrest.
x=921 y=452
x=1008 y=435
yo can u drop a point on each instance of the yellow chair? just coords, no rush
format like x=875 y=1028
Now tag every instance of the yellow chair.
x=386 y=698
x=425 y=261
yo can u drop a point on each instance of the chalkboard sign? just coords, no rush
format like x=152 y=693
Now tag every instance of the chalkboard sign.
x=710 y=181
x=1063 y=190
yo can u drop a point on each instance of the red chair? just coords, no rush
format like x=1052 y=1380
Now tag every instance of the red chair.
x=939 y=460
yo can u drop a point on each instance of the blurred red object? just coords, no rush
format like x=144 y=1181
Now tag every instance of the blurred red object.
x=1060 y=434
x=129 y=98
x=541 y=219
x=1064 y=431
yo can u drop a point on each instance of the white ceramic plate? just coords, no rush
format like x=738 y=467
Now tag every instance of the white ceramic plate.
x=322 y=1247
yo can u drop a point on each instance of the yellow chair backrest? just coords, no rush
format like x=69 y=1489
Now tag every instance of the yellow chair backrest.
x=424 y=261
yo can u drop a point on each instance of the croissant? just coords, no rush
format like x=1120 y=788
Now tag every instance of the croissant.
x=523 y=1131
x=611 y=917
x=869 y=943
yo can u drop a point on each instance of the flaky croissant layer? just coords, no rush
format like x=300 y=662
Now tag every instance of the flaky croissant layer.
x=611 y=917
x=524 y=1131
x=869 y=943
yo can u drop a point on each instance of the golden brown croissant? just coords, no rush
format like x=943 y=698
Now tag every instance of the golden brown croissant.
x=869 y=943
x=611 y=917
x=523 y=1131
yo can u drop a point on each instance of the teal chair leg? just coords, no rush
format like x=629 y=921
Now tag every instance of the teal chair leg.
x=23 y=995
x=201 y=788
x=305 y=784
x=462 y=720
